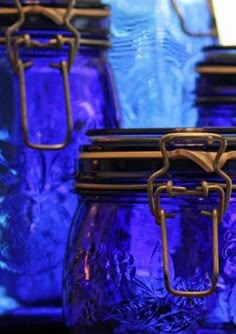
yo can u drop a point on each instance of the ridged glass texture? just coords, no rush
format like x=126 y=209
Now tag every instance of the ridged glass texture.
x=214 y=93
x=150 y=58
x=114 y=280
x=36 y=199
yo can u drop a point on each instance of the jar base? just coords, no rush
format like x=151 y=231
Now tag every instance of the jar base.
x=33 y=320
x=92 y=330
x=215 y=327
x=218 y=329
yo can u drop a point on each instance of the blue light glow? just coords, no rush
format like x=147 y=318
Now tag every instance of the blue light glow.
x=154 y=60
x=7 y=304
x=36 y=198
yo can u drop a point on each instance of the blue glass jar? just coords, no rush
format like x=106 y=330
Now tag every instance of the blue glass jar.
x=209 y=84
x=152 y=244
x=215 y=92
x=55 y=83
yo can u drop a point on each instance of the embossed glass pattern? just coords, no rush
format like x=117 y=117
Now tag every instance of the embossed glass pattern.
x=36 y=199
x=113 y=278
x=214 y=92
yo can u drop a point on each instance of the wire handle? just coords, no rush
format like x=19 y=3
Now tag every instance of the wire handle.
x=154 y=194
x=215 y=249
x=13 y=43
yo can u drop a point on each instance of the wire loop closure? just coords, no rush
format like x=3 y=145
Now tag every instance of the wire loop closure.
x=13 y=45
x=223 y=190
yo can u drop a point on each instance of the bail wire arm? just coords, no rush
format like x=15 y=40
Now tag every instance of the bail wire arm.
x=55 y=17
x=63 y=67
x=215 y=249
x=202 y=191
x=13 y=44
x=15 y=27
x=155 y=191
x=206 y=137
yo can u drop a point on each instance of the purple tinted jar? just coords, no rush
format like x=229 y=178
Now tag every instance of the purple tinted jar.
x=152 y=244
x=55 y=84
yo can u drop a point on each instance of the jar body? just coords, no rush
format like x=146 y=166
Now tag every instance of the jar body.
x=114 y=281
x=36 y=185
x=217 y=115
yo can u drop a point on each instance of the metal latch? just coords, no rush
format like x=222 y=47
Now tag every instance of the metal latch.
x=13 y=43
x=224 y=192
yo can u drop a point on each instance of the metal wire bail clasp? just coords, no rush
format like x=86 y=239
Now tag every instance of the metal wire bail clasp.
x=223 y=190
x=13 y=44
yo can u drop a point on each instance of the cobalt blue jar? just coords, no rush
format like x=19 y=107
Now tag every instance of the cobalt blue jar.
x=208 y=89
x=55 y=84
x=215 y=92
x=152 y=244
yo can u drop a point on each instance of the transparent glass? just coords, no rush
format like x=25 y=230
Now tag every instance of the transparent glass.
x=211 y=93
x=150 y=51
x=114 y=281
x=36 y=199
x=217 y=115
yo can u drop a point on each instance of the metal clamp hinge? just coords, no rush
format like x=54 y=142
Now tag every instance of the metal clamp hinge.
x=14 y=43
x=224 y=191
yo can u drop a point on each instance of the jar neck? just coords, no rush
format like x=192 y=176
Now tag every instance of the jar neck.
x=90 y=18
x=142 y=198
x=57 y=3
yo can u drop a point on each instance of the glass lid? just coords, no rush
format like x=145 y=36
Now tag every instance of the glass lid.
x=146 y=137
x=55 y=3
x=129 y=156
x=90 y=17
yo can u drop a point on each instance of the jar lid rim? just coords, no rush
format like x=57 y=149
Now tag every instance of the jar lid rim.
x=154 y=134
x=90 y=19
x=92 y=22
x=55 y=3
x=122 y=159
